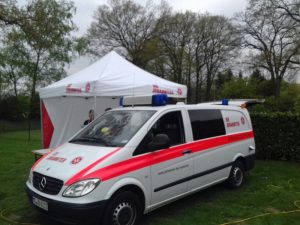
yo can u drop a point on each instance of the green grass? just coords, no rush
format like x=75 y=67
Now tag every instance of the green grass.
x=270 y=188
x=8 y=126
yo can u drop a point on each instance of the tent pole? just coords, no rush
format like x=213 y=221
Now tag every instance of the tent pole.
x=95 y=104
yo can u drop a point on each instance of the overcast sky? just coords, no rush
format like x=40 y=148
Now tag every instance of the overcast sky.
x=86 y=9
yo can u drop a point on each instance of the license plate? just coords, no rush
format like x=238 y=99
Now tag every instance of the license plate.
x=40 y=203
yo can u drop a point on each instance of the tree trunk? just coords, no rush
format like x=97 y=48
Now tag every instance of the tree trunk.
x=198 y=88
x=31 y=101
x=189 y=95
x=208 y=89
x=277 y=87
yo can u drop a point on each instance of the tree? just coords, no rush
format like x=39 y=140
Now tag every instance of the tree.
x=256 y=75
x=272 y=39
x=223 y=78
x=45 y=41
x=289 y=8
x=197 y=54
x=126 y=25
x=238 y=88
x=174 y=34
x=219 y=46
x=13 y=57
x=10 y=13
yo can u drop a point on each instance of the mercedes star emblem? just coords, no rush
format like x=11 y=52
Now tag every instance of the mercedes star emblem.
x=42 y=184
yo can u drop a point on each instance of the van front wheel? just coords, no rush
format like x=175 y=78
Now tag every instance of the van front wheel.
x=123 y=209
x=237 y=175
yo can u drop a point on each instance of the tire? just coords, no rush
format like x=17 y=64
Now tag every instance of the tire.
x=237 y=175
x=124 y=208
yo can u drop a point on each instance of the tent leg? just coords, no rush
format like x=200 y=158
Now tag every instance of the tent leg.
x=95 y=104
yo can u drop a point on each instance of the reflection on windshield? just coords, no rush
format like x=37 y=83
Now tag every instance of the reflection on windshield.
x=114 y=128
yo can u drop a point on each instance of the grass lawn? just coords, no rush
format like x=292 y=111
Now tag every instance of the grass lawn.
x=271 y=187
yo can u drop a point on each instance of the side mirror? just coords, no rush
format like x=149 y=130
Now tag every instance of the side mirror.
x=160 y=141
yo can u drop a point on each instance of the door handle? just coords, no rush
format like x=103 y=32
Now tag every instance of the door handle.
x=251 y=148
x=187 y=151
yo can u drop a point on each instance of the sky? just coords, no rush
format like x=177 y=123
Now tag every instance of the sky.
x=86 y=8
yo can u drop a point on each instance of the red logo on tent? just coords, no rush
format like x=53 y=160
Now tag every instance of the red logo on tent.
x=243 y=120
x=179 y=91
x=76 y=160
x=87 y=87
x=71 y=89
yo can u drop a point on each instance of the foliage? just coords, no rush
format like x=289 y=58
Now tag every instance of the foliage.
x=10 y=13
x=38 y=48
x=125 y=24
x=277 y=135
x=289 y=8
x=272 y=40
x=14 y=108
x=238 y=88
x=297 y=104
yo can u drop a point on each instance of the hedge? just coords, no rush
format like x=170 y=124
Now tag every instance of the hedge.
x=277 y=135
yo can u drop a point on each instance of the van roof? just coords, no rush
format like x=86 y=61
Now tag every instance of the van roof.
x=182 y=105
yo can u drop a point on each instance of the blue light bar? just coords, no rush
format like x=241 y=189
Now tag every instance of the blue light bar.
x=160 y=100
x=121 y=101
x=146 y=100
x=225 y=102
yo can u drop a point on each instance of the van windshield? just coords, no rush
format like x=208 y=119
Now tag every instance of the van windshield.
x=113 y=128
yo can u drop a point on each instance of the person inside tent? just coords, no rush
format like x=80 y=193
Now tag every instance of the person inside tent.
x=90 y=119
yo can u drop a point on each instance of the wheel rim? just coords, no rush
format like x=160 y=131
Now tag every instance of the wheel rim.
x=238 y=176
x=124 y=214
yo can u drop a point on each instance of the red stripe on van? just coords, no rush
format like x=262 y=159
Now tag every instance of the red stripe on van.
x=80 y=175
x=153 y=158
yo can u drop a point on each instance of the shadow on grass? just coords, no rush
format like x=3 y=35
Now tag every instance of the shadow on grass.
x=178 y=207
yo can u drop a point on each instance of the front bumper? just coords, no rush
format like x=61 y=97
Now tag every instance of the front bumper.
x=70 y=213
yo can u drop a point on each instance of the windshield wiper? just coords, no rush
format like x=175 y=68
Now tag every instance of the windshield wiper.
x=89 y=139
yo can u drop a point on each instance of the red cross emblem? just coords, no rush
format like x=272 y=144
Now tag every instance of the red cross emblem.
x=243 y=120
x=179 y=91
x=87 y=87
x=76 y=160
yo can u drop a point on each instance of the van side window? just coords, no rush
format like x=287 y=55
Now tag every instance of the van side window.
x=206 y=123
x=170 y=124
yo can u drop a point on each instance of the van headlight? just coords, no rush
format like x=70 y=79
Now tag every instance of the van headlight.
x=81 y=188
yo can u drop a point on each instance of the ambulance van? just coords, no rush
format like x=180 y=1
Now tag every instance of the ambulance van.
x=146 y=154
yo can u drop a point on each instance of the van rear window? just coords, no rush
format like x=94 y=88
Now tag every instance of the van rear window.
x=206 y=123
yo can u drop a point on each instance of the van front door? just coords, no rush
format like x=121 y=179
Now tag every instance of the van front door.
x=173 y=165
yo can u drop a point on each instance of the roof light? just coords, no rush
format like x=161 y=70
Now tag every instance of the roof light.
x=159 y=100
x=154 y=100
x=225 y=102
x=121 y=101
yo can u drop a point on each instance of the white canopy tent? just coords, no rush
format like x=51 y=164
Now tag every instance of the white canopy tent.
x=67 y=103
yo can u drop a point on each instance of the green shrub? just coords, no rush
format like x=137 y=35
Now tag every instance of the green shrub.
x=277 y=135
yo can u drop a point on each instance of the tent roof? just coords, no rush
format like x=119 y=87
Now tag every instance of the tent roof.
x=112 y=75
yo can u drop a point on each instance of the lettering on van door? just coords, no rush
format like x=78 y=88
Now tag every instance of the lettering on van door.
x=172 y=169
x=231 y=124
x=234 y=121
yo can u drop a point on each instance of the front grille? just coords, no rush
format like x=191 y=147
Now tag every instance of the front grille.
x=52 y=185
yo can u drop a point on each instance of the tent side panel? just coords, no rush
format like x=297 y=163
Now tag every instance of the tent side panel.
x=70 y=114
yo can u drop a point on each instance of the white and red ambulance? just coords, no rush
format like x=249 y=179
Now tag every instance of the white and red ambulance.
x=134 y=159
